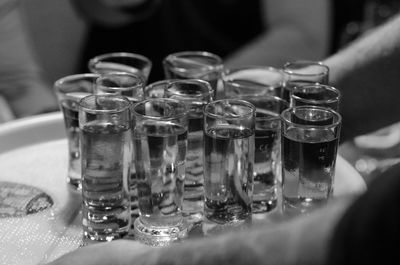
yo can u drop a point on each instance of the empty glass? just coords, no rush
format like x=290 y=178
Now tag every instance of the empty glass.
x=299 y=73
x=228 y=161
x=310 y=138
x=252 y=80
x=106 y=138
x=69 y=90
x=121 y=62
x=194 y=64
x=160 y=142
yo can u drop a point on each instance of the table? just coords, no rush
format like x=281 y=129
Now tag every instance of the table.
x=33 y=164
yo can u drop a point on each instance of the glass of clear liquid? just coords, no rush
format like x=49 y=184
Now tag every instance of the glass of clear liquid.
x=229 y=128
x=195 y=93
x=160 y=143
x=267 y=151
x=106 y=141
x=310 y=139
x=69 y=90
x=132 y=87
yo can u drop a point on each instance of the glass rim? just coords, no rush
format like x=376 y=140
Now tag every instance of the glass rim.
x=84 y=107
x=219 y=116
x=230 y=70
x=218 y=65
x=120 y=54
x=165 y=118
x=134 y=76
x=292 y=71
x=328 y=87
x=309 y=126
x=265 y=97
x=159 y=82
x=74 y=77
x=209 y=92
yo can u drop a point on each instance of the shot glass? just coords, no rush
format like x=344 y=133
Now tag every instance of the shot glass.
x=194 y=64
x=299 y=73
x=195 y=94
x=310 y=139
x=252 y=80
x=69 y=90
x=121 y=62
x=229 y=128
x=121 y=83
x=160 y=143
x=316 y=95
x=267 y=151
x=106 y=141
x=130 y=86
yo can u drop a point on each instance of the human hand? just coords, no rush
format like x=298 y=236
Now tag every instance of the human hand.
x=119 y=252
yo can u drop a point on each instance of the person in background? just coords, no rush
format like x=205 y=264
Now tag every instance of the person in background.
x=359 y=229
x=258 y=32
x=23 y=91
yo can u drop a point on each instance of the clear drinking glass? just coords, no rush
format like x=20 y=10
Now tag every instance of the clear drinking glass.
x=106 y=141
x=252 y=80
x=194 y=64
x=310 y=138
x=195 y=94
x=69 y=90
x=316 y=95
x=160 y=143
x=121 y=62
x=299 y=73
x=229 y=127
x=267 y=151
x=130 y=86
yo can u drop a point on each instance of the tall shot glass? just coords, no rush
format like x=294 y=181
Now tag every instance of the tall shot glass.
x=316 y=95
x=105 y=124
x=160 y=142
x=228 y=161
x=267 y=151
x=310 y=138
x=299 y=73
x=195 y=94
x=121 y=62
x=194 y=64
x=69 y=90
x=131 y=86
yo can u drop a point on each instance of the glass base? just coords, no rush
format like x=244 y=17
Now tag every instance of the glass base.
x=97 y=237
x=293 y=207
x=264 y=206
x=157 y=236
x=210 y=228
x=192 y=209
